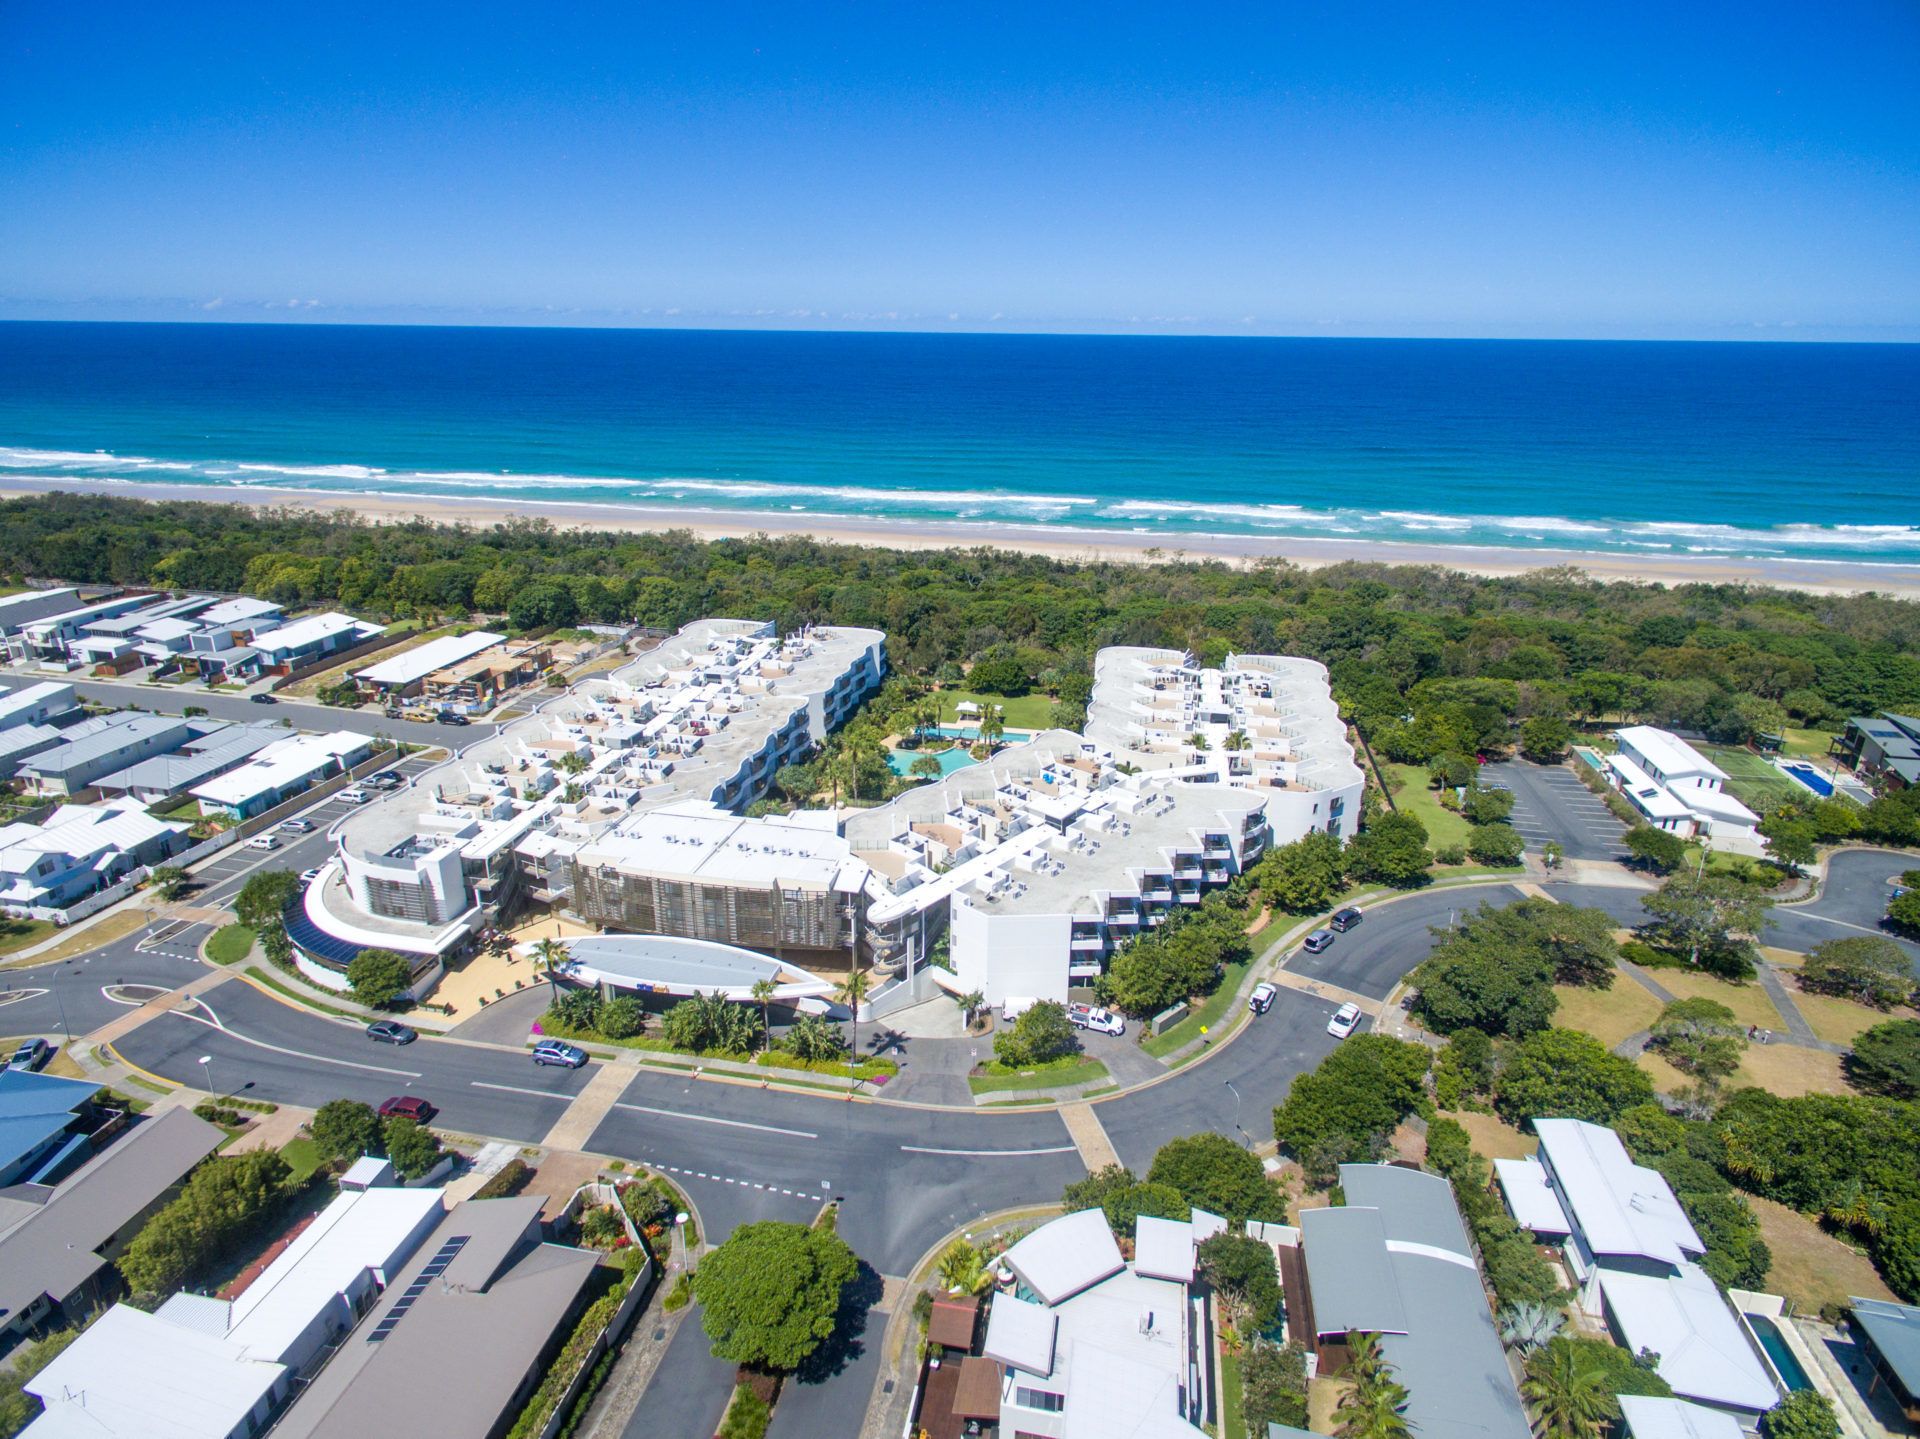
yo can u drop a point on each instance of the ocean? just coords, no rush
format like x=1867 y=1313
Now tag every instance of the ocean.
x=1657 y=449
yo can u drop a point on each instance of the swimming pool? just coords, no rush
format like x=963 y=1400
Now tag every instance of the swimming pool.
x=972 y=732
x=1771 y=1340
x=1810 y=777
x=900 y=761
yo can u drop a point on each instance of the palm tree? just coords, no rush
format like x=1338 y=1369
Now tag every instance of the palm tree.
x=963 y=1269
x=853 y=993
x=1236 y=741
x=1569 y=1401
x=1527 y=1326
x=1374 y=1411
x=762 y=993
x=1365 y=1362
x=573 y=762
x=992 y=726
x=551 y=953
x=1198 y=741
x=925 y=766
x=971 y=1003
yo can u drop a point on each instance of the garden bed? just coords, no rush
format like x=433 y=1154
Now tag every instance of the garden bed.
x=1055 y=1074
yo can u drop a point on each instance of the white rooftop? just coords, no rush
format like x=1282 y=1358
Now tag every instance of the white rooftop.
x=1619 y=1206
x=1069 y=1254
x=700 y=840
x=279 y=765
x=1652 y=797
x=1530 y=1196
x=1020 y=1334
x=1163 y=1249
x=133 y=1374
x=418 y=663
x=1703 y=1352
x=1668 y=753
x=1650 y=1418
x=312 y=630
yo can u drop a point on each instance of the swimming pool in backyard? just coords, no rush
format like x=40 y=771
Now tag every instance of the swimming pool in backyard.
x=1771 y=1340
x=1807 y=775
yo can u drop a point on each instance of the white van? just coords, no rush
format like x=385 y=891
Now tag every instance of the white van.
x=263 y=841
x=1013 y=1008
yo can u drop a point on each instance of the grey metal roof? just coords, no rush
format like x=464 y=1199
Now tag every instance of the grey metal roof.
x=456 y=1360
x=52 y=1252
x=130 y=730
x=1400 y=1267
x=1350 y=1273
x=1895 y=1332
x=189 y=766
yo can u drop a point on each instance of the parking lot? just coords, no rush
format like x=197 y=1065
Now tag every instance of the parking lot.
x=1550 y=803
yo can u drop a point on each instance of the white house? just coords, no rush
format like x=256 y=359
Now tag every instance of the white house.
x=1632 y=1252
x=78 y=849
x=304 y=640
x=36 y=704
x=1101 y=1349
x=281 y=770
x=1675 y=787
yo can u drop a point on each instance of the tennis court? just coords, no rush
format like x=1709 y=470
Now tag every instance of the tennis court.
x=1751 y=778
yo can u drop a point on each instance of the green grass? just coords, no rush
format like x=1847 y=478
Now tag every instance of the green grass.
x=186 y=809
x=303 y=1157
x=1232 y=1425
x=17 y=934
x=1057 y=1075
x=1808 y=742
x=230 y=944
x=1208 y=1012
x=1750 y=778
x=1444 y=827
x=1028 y=712
x=299 y=996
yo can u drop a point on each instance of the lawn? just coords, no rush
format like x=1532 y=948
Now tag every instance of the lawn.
x=1840 y=1021
x=1444 y=827
x=1751 y=779
x=1810 y=1266
x=1609 y=1015
x=1782 y=1069
x=1748 y=1002
x=1028 y=712
x=112 y=927
x=18 y=934
x=230 y=944
x=1492 y=1136
x=1205 y=1014
x=1812 y=742
x=1232 y=1425
x=313 y=684
x=1055 y=1076
x=303 y=1156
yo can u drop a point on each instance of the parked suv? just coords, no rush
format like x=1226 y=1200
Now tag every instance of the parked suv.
x=297 y=826
x=1100 y=1021
x=558 y=1051
x=31 y=1054
x=263 y=841
x=1261 y=1000
x=1318 y=941
x=1345 y=919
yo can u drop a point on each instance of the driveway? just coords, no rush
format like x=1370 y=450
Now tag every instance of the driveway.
x=1392 y=938
x=1550 y=803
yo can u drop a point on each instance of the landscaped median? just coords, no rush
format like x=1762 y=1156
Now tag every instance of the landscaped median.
x=771 y=1065
x=1063 y=1073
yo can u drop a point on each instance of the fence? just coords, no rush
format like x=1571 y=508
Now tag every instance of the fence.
x=340 y=657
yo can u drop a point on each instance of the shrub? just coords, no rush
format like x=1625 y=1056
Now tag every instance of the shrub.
x=346 y=1129
x=1495 y=844
x=1123 y=1199
x=621 y=1017
x=1273 y=1382
x=378 y=977
x=747 y=1416
x=1213 y=1173
x=506 y=1181
x=413 y=1148
x=1886 y=1059
x=222 y=1200
x=1450 y=854
x=1040 y=1035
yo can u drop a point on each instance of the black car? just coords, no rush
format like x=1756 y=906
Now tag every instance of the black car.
x=1345 y=919
x=391 y=1031
x=454 y=719
x=263 y=699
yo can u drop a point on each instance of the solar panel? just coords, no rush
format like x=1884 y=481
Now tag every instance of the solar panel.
x=315 y=942
x=434 y=1268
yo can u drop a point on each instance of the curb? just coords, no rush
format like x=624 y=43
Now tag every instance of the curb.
x=145 y=1074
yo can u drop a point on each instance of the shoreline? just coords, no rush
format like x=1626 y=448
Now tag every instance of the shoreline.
x=1052 y=541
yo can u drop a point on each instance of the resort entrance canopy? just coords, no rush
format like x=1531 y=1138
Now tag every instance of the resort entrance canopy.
x=668 y=966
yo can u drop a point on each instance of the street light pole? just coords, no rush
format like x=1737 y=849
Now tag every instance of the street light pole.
x=1228 y=1085
x=206 y=1066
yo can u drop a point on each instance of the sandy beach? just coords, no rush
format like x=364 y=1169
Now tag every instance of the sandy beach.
x=1056 y=541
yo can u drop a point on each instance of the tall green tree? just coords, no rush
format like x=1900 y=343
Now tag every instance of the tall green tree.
x=1569 y=1401
x=1213 y=1173
x=770 y=1294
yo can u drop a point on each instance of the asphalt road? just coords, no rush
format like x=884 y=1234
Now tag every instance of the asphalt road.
x=265 y=1049
x=173 y=699
x=71 y=997
x=1392 y=939
x=1550 y=803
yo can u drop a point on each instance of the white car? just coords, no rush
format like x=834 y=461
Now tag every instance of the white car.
x=1100 y=1021
x=1261 y=1000
x=353 y=796
x=1345 y=1020
x=307 y=877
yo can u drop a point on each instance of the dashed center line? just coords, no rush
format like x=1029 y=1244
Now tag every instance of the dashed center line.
x=742 y=1183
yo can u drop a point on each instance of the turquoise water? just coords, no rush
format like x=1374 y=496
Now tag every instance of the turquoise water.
x=1805 y=451
x=1012 y=736
x=900 y=761
x=1789 y=1368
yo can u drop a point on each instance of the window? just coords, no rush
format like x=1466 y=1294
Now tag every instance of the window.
x=1044 y=1399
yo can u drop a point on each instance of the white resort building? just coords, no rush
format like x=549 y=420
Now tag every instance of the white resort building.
x=1675 y=787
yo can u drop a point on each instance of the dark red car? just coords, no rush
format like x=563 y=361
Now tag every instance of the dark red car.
x=408 y=1106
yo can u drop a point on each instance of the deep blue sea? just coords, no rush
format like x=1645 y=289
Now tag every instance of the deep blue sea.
x=1807 y=451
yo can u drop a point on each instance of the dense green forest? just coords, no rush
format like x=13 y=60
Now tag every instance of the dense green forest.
x=1456 y=653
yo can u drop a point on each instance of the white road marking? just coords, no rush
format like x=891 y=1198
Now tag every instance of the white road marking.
x=213 y=1022
x=15 y=996
x=991 y=1153
x=521 y=1089
x=715 y=1119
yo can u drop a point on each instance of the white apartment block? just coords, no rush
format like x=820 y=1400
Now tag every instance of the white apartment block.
x=706 y=719
x=1261 y=722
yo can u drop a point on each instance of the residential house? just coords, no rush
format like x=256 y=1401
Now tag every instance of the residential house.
x=1674 y=786
x=48 y=639
x=1889 y=1335
x=56 y=1264
x=103 y=745
x=460 y=1335
x=1643 y=1417
x=405 y=675
x=1395 y=1261
x=1090 y=1347
x=18 y=611
x=1633 y=1255
x=78 y=849
x=281 y=770
x=303 y=641
x=220 y=748
x=1885 y=746
x=41 y=704
x=22 y=742
x=479 y=681
x=46 y=1126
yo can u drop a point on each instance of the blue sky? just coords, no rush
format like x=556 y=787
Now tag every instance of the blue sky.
x=1742 y=171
